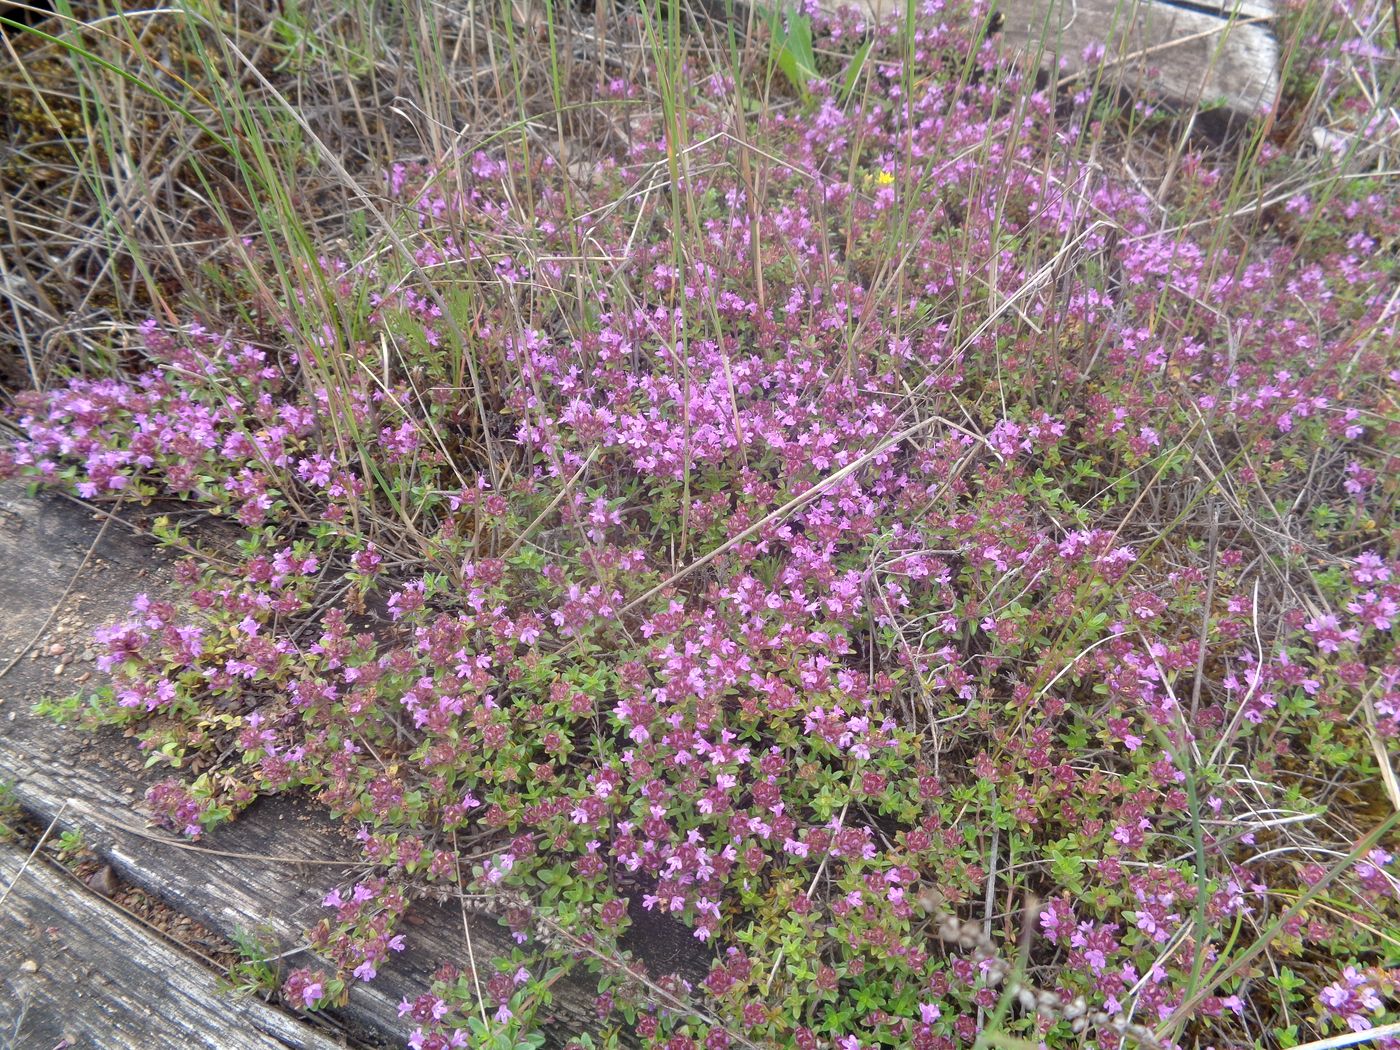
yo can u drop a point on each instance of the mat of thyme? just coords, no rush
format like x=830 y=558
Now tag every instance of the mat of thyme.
x=960 y=594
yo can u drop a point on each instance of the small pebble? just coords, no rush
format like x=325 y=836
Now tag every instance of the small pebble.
x=103 y=880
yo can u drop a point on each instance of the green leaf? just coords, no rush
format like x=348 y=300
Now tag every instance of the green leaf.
x=854 y=70
x=793 y=49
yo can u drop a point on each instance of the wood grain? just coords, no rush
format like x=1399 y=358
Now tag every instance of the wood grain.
x=1185 y=54
x=77 y=969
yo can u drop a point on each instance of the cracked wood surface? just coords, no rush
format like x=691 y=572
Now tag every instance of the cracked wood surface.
x=80 y=974
x=1228 y=54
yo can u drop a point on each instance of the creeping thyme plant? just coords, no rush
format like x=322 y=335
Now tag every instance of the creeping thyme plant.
x=934 y=525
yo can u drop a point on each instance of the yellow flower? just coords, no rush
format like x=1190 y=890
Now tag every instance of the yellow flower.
x=884 y=178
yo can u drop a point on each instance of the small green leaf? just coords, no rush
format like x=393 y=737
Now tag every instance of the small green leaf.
x=854 y=70
x=793 y=49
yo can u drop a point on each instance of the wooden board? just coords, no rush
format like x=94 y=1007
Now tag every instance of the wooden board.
x=1263 y=10
x=244 y=876
x=79 y=973
x=1183 y=53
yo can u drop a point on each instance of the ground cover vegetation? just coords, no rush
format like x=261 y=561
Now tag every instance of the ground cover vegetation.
x=927 y=529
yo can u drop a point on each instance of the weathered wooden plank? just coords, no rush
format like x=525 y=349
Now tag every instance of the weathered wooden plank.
x=77 y=969
x=1185 y=54
x=97 y=784
x=1263 y=10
